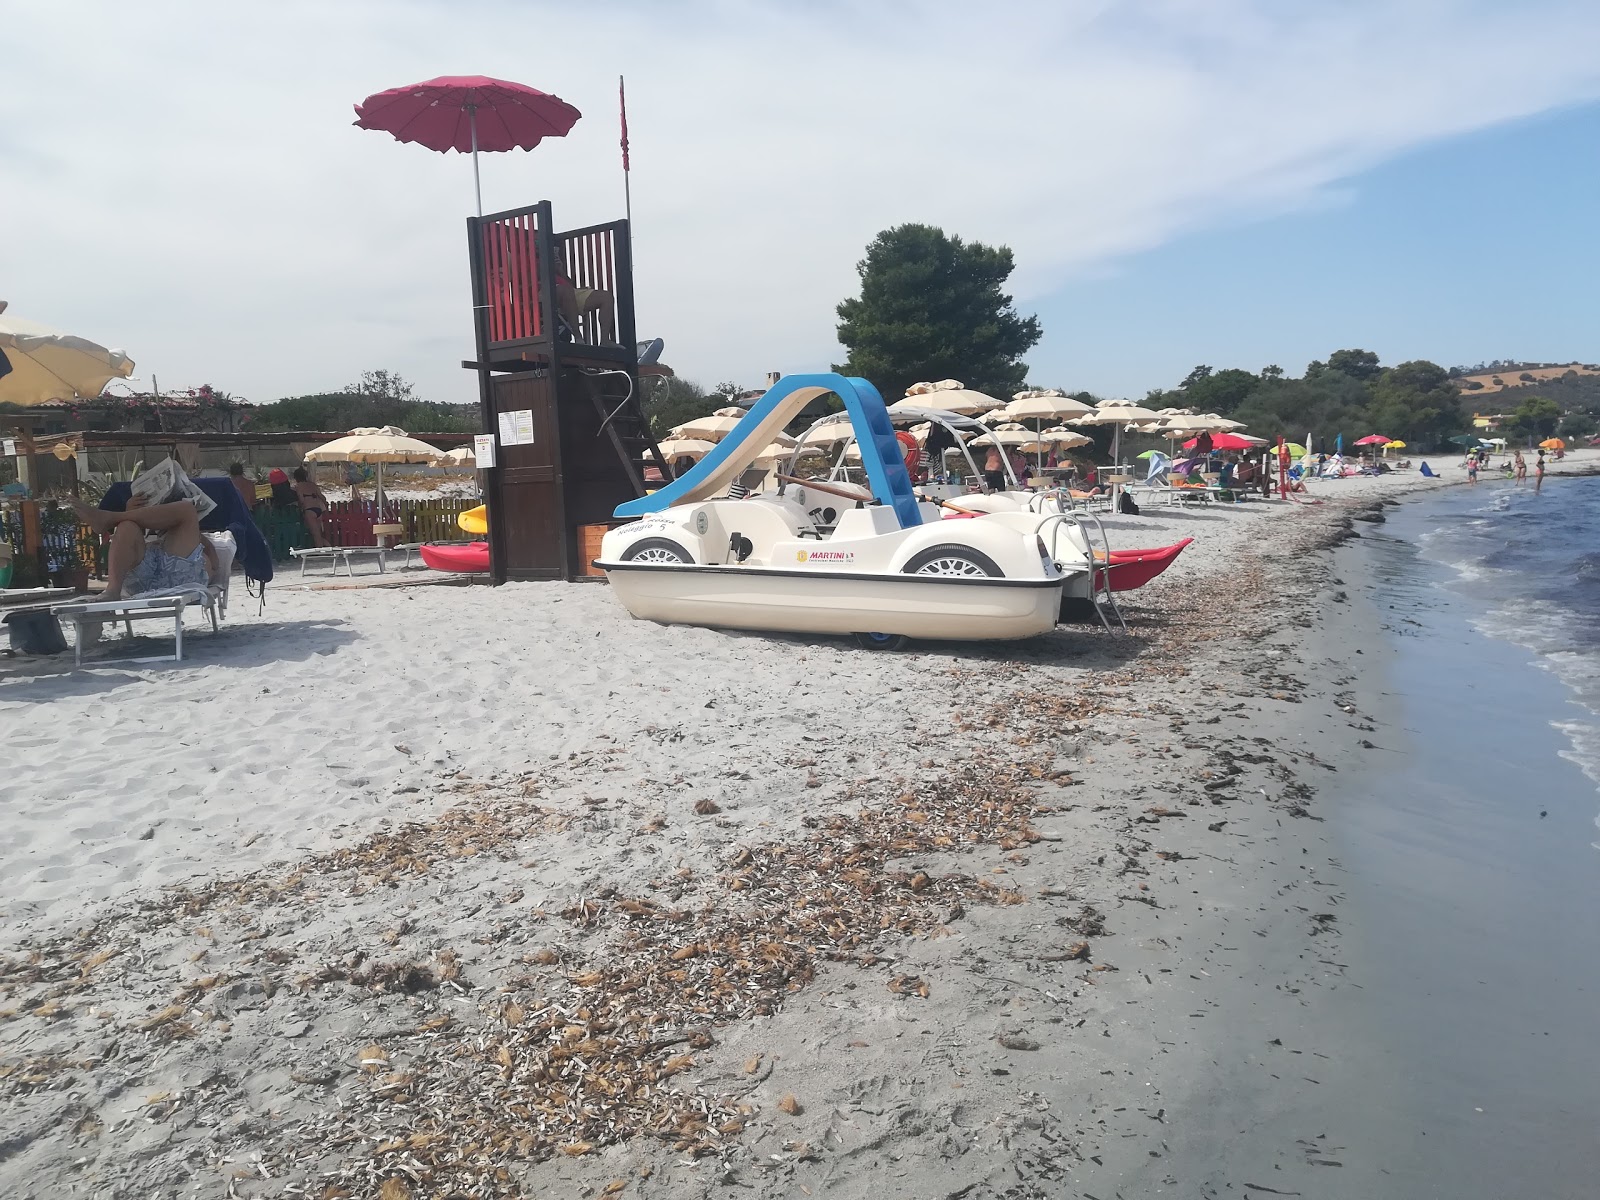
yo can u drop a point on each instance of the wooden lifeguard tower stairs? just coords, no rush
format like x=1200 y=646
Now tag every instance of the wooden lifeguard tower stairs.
x=574 y=384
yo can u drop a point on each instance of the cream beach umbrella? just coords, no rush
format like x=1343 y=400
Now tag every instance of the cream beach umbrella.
x=828 y=431
x=675 y=448
x=48 y=365
x=1036 y=409
x=461 y=456
x=1063 y=438
x=1043 y=407
x=1117 y=414
x=384 y=444
x=775 y=451
x=712 y=428
x=950 y=395
x=1005 y=435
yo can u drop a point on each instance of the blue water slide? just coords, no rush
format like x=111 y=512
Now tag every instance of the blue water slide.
x=881 y=453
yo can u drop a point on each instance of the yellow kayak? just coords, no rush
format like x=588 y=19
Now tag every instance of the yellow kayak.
x=475 y=520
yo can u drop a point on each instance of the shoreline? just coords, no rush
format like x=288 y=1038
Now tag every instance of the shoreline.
x=1025 y=1021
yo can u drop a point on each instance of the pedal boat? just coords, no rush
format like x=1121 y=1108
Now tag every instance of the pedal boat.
x=825 y=557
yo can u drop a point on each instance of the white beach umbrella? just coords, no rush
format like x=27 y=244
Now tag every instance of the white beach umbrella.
x=384 y=444
x=712 y=428
x=1043 y=407
x=48 y=365
x=775 y=451
x=1117 y=414
x=461 y=456
x=1006 y=435
x=1063 y=437
x=675 y=448
x=827 y=431
x=951 y=396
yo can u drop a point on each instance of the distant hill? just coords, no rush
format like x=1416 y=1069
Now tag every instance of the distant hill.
x=1483 y=381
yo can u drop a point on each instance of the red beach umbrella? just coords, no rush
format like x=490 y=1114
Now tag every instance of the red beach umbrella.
x=468 y=113
x=1373 y=439
x=1227 y=441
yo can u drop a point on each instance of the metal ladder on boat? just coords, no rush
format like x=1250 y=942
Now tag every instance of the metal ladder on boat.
x=1100 y=593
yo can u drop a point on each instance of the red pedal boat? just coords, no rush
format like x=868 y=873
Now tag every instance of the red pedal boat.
x=1135 y=568
x=467 y=557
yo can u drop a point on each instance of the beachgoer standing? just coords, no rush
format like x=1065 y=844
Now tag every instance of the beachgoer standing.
x=247 y=490
x=312 y=505
x=1522 y=469
x=1472 y=468
x=994 y=469
x=1538 y=471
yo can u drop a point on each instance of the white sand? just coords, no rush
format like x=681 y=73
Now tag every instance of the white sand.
x=340 y=713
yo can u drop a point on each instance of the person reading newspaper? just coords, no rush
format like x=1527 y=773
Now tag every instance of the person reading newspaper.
x=164 y=502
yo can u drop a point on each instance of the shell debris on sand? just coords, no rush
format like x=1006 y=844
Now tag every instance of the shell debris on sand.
x=574 y=1050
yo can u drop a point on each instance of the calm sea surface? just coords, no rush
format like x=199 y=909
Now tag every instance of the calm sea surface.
x=1474 y=862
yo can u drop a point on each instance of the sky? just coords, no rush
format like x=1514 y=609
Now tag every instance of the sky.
x=1234 y=182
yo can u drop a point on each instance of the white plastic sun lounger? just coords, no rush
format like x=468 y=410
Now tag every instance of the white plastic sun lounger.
x=338 y=554
x=211 y=599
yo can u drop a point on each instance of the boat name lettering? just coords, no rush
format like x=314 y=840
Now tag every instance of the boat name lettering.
x=825 y=556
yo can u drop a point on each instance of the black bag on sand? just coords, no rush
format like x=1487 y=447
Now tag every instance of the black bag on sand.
x=1126 y=504
x=35 y=631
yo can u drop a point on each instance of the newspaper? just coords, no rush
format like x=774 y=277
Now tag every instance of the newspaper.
x=167 y=482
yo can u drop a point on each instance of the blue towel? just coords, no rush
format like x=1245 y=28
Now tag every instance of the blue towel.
x=253 y=555
x=1428 y=471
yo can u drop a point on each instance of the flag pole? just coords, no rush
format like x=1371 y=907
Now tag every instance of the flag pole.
x=627 y=178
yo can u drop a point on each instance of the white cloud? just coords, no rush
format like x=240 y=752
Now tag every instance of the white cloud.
x=181 y=178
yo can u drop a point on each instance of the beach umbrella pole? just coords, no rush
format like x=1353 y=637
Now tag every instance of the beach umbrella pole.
x=477 y=185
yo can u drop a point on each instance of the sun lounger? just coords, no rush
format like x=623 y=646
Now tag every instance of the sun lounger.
x=211 y=599
x=337 y=555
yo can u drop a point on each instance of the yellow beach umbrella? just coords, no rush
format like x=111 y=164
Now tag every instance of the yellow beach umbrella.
x=48 y=365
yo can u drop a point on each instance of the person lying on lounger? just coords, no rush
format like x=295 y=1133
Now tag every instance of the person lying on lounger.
x=181 y=557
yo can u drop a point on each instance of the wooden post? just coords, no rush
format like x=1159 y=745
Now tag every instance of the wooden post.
x=27 y=464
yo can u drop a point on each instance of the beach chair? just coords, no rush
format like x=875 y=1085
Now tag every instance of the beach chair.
x=337 y=555
x=211 y=599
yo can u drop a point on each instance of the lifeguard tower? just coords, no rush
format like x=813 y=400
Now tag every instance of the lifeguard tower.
x=560 y=391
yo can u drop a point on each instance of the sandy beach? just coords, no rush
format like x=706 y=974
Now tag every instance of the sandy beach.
x=418 y=891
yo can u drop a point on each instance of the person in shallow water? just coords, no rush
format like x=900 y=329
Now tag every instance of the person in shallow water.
x=1538 y=471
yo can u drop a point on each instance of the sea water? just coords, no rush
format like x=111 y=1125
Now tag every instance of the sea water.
x=1470 y=849
x=1529 y=563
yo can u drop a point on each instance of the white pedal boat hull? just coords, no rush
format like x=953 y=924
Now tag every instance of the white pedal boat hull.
x=826 y=602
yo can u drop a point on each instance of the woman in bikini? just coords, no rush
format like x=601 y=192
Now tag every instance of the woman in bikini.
x=312 y=505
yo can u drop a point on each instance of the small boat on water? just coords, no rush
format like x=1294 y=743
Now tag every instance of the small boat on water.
x=829 y=557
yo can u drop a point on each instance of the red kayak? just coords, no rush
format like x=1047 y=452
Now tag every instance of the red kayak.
x=1135 y=568
x=466 y=557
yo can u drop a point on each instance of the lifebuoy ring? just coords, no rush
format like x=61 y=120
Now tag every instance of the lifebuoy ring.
x=911 y=451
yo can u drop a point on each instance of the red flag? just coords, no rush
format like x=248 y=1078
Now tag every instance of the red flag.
x=622 y=102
